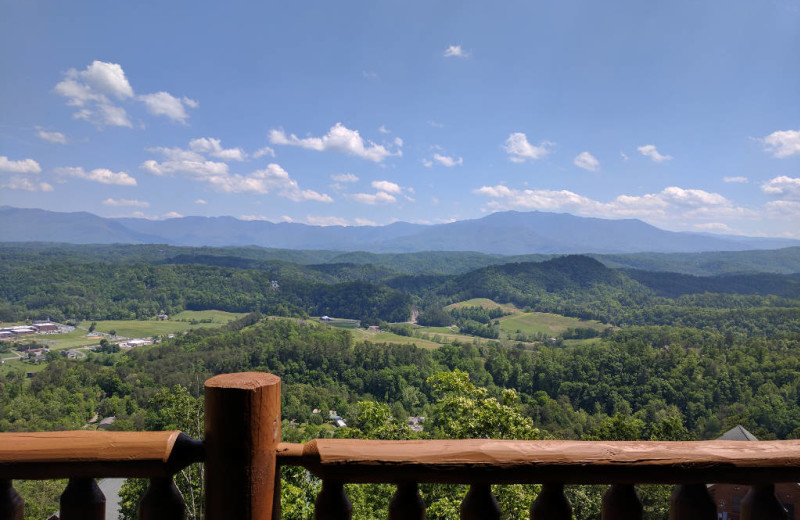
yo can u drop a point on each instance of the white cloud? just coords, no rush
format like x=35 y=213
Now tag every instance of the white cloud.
x=372 y=199
x=101 y=175
x=435 y=124
x=364 y=222
x=89 y=90
x=325 y=221
x=427 y=163
x=264 y=152
x=21 y=166
x=784 y=187
x=53 y=137
x=382 y=129
x=271 y=179
x=520 y=150
x=212 y=147
x=201 y=201
x=388 y=187
x=783 y=143
x=455 y=51
x=783 y=208
x=448 y=161
x=173 y=214
x=108 y=78
x=21 y=183
x=165 y=104
x=126 y=203
x=672 y=203
x=735 y=179
x=344 y=177
x=624 y=156
x=649 y=150
x=369 y=75
x=253 y=218
x=340 y=139
x=92 y=90
x=714 y=227
x=587 y=161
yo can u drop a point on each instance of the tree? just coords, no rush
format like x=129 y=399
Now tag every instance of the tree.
x=171 y=409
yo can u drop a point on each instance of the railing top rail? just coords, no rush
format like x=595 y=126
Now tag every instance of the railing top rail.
x=575 y=462
x=44 y=455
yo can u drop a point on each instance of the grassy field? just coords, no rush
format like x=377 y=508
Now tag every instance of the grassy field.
x=218 y=317
x=388 y=337
x=485 y=303
x=178 y=323
x=14 y=365
x=540 y=322
x=76 y=338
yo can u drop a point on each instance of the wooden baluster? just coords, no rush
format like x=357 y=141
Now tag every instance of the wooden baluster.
x=621 y=502
x=479 y=504
x=760 y=503
x=11 y=504
x=692 y=502
x=551 y=504
x=243 y=429
x=162 y=501
x=332 y=502
x=83 y=500
x=406 y=504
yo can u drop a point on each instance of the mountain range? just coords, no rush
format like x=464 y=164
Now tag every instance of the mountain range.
x=506 y=233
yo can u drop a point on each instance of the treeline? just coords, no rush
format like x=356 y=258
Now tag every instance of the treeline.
x=35 y=284
x=710 y=380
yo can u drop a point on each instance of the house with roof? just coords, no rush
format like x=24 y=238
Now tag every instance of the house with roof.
x=728 y=497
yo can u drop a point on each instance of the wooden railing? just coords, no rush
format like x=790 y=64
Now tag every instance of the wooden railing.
x=243 y=454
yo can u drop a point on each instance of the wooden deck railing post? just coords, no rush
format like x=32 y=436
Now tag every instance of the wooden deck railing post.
x=243 y=428
x=551 y=504
x=621 y=502
x=479 y=504
x=406 y=504
x=760 y=503
x=162 y=501
x=82 y=500
x=11 y=504
x=692 y=502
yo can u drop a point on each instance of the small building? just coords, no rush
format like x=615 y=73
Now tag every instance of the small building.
x=163 y=317
x=45 y=326
x=728 y=497
x=274 y=284
x=70 y=354
x=374 y=328
x=22 y=329
x=326 y=318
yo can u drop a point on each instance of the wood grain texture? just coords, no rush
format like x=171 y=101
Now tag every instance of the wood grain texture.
x=44 y=455
x=242 y=431
x=570 y=462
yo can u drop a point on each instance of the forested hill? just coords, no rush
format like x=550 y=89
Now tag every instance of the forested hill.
x=777 y=261
x=40 y=283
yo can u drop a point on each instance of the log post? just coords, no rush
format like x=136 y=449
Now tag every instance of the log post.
x=11 y=504
x=162 y=501
x=692 y=502
x=479 y=504
x=243 y=428
x=621 y=502
x=760 y=503
x=551 y=504
x=406 y=504
x=83 y=500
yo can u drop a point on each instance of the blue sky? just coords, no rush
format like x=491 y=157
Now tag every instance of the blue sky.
x=684 y=114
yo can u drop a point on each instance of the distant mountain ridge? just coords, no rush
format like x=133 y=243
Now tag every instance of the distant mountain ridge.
x=504 y=233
